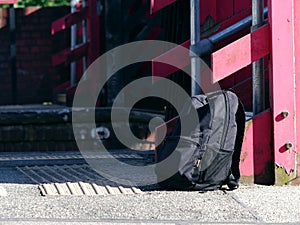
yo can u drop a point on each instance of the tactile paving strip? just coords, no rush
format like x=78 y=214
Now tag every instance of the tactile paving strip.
x=73 y=180
x=82 y=188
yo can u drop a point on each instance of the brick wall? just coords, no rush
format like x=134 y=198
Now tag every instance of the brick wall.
x=36 y=77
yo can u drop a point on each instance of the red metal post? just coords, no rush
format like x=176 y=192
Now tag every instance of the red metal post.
x=257 y=163
x=282 y=85
x=297 y=71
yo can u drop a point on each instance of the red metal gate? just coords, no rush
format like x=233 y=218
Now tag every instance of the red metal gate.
x=270 y=147
x=81 y=54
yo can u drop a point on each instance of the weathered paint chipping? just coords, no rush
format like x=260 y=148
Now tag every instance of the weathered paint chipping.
x=282 y=177
x=257 y=157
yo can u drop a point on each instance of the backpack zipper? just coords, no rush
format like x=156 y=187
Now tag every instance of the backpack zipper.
x=183 y=138
x=225 y=128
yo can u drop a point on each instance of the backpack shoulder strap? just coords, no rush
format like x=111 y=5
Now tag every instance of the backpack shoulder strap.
x=240 y=121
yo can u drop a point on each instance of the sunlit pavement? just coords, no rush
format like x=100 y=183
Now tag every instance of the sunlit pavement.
x=23 y=202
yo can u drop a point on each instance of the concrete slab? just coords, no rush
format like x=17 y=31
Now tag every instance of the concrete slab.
x=113 y=223
x=3 y=192
x=272 y=204
x=24 y=204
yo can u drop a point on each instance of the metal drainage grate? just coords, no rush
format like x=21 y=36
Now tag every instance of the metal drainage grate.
x=72 y=155
x=73 y=180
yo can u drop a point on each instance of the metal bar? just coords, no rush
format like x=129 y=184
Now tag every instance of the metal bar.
x=195 y=41
x=73 y=44
x=13 y=68
x=258 y=93
x=114 y=36
x=234 y=29
x=205 y=49
x=94 y=28
x=257 y=12
x=84 y=36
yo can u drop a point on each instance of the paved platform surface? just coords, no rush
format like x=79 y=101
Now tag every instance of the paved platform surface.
x=22 y=202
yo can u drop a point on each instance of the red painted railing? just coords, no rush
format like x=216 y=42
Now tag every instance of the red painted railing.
x=82 y=54
x=158 y=5
x=91 y=49
x=8 y=1
x=272 y=137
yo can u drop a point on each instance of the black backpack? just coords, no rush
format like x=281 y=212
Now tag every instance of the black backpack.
x=205 y=156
